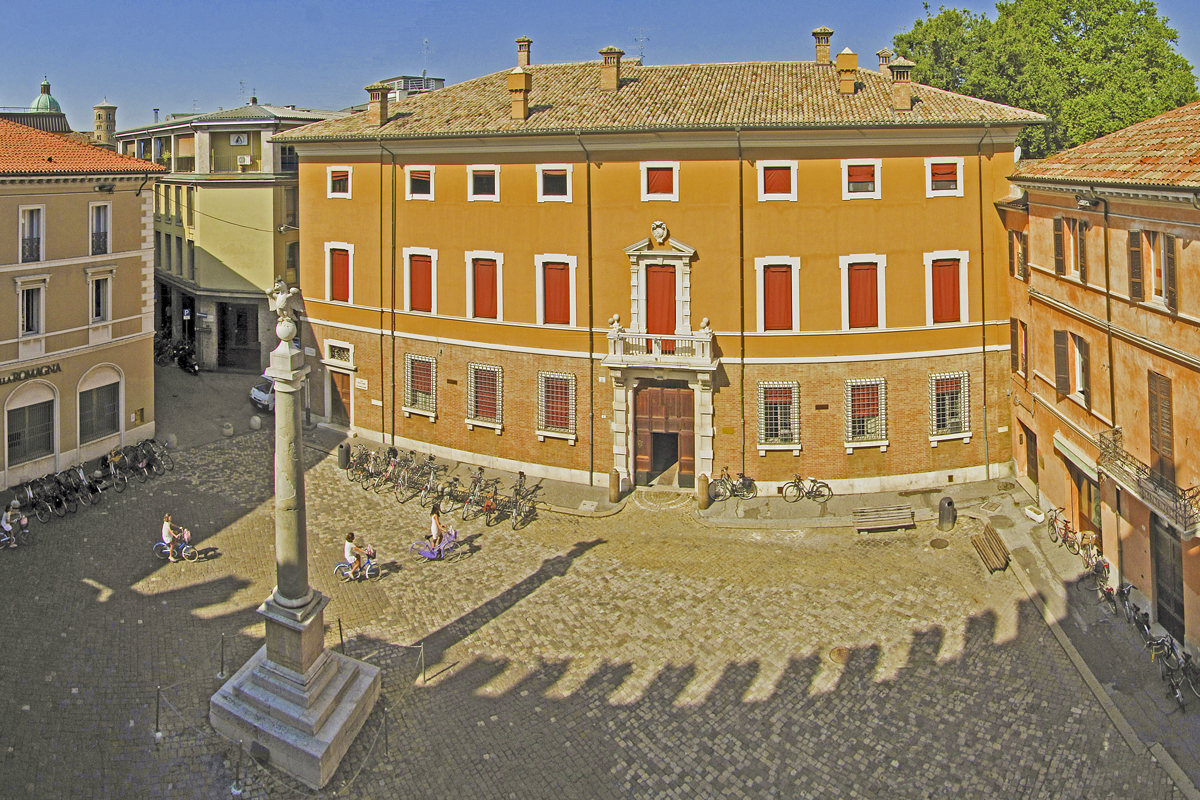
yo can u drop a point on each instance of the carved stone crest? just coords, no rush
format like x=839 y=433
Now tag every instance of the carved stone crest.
x=658 y=229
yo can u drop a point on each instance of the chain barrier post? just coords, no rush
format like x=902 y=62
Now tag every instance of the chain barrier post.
x=221 y=675
x=157 y=704
x=341 y=636
x=236 y=789
x=386 y=747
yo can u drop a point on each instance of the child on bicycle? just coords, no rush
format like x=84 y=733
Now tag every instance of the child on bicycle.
x=10 y=519
x=354 y=554
x=172 y=536
x=437 y=531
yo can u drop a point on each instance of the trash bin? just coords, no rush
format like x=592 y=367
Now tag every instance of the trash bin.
x=344 y=455
x=947 y=514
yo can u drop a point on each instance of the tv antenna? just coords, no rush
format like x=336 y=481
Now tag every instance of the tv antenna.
x=641 y=39
x=242 y=92
x=426 y=51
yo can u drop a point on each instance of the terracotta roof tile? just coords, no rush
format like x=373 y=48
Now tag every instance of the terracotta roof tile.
x=1161 y=151
x=568 y=97
x=28 y=151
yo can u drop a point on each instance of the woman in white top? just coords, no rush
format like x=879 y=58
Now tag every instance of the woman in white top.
x=354 y=554
x=437 y=531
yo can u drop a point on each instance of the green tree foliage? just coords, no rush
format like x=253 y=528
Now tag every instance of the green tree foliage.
x=1091 y=66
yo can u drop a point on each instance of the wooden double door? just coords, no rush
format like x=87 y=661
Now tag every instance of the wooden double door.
x=664 y=432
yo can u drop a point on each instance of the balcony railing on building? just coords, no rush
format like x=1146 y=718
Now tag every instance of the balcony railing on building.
x=634 y=348
x=99 y=243
x=31 y=249
x=289 y=162
x=235 y=163
x=185 y=164
x=1179 y=506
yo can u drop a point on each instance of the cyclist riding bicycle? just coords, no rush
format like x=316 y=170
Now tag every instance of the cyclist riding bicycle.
x=172 y=537
x=354 y=554
x=10 y=518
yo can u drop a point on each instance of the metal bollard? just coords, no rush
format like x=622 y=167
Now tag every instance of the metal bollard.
x=614 y=486
x=344 y=456
x=221 y=675
x=702 y=495
x=341 y=637
x=947 y=514
x=157 y=698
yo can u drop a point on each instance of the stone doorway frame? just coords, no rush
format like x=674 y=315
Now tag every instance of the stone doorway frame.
x=625 y=382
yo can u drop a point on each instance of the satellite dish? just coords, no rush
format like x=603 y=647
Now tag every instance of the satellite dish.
x=1017 y=153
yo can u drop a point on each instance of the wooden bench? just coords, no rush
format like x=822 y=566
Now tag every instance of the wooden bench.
x=991 y=549
x=884 y=518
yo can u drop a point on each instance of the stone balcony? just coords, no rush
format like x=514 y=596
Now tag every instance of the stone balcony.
x=680 y=350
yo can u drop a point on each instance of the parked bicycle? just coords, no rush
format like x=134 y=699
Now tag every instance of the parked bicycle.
x=1061 y=530
x=725 y=487
x=1096 y=578
x=802 y=488
x=1125 y=602
x=524 y=508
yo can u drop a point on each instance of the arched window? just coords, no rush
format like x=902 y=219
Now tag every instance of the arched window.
x=99 y=404
x=29 y=419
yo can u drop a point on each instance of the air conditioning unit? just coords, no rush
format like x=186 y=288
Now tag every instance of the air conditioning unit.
x=243 y=161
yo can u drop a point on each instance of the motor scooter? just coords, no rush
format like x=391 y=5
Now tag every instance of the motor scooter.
x=185 y=357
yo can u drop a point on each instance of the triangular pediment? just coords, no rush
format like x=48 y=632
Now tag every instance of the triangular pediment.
x=645 y=248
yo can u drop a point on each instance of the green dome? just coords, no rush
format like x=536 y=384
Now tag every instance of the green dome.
x=45 y=101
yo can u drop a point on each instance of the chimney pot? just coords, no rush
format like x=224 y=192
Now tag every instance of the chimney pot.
x=847 y=69
x=523 y=53
x=520 y=83
x=901 y=69
x=610 y=68
x=377 y=105
x=822 y=35
x=885 y=58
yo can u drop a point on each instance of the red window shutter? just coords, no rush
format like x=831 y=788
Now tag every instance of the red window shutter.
x=860 y=173
x=777 y=395
x=339 y=181
x=947 y=385
x=660 y=180
x=420 y=281
x=864 y=300
x=557 y=402
x=419 y=174
x=1135 y=266
x=864 y=401
x=556 y=291
x=943 y=172
x=777 y=180
x=485 y=288
x=485 y=394
x=945 y=291
x=777 y=298
x=422 y=377
x=339 y=275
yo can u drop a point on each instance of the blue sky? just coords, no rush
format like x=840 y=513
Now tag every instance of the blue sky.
x=176 y=56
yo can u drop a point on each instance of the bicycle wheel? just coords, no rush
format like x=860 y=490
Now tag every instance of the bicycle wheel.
x=85 y=495
x=160 y=550
x=1071 y=542
x=372 y=571
x=158 y=466
x=72 y=504
x=821 y=492
x=342 y=571
x=748 y=493
x=1192 y=679
x=414 y=551
x=1052 y=528
x=492 y=516
x=518 y=514
x=720 y=490
x=120 y=481
x=468 y=509
x=42 y=509
x=791 y=491
x=60 y=509
x=189 y=553
x=457 y=555
x=165 y=457
x=23 y=535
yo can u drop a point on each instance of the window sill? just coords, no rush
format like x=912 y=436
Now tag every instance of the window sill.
x=882 y=444
x=472 y=424
x=549 y=198
x=544 y=435
x=483 y=198
x=339 y=365
x=795 y=447
x=660 y=198
x=767 y=198
x=428 y=197
x=420 y=412
x=949 y=437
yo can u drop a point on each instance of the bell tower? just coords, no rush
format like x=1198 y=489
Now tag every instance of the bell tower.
x=105 y=117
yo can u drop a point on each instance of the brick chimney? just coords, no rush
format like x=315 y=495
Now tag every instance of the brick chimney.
x=523 y=54
x=377 y=106
x=519 y=84
x=847 y=69
x=901 y=83
x=822 y=35
x=885 y=58
x=610 y=68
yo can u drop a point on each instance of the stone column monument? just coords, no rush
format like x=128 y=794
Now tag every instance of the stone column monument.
x=301 y=702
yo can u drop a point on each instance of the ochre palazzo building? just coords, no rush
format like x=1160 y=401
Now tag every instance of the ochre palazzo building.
x=663 y=270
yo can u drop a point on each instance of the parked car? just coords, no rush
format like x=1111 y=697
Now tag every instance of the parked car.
x=263 y=395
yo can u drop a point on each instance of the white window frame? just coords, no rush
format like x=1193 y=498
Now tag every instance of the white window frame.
x=794 y=445
x=880 y=262
x=342 y=364
x=761 y=167
x=409 y=252
x=881 y=441
x=409 y=407
x=329 y=192
x=963 y=257
x=472 y=422
x=21 y=232
x=1077 y=376
x=1152 y=261
x=760 y=270
x=470 y=257
x=964 y=398
x=94 y=276
x=329 y=273
x=857 y=162
x=544 y=432
x=408 y=194
x=670 y=198
x=32 y=344
x=484 y=198
x=554 y=198
x=540 y=261
x=929 y=190
x=92 y=222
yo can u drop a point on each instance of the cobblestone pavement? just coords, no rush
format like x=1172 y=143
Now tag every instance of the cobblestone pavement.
x=639 y=655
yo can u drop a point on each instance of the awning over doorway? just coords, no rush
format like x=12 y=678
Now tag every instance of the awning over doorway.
x=1076 y=456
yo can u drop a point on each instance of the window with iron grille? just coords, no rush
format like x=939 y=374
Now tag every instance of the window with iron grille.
x=866 y=410
x=949 y=404
x=420 y=382
x=484 y=393
x=779 y=412
x=30 y=432
x=556 y=402
x=338 y=352
x=99 y=412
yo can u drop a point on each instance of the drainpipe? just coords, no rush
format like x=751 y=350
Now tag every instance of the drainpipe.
x=987 y=459
x=741 y=297
x=1112 y=380
x=392 y=315
x=591 y=332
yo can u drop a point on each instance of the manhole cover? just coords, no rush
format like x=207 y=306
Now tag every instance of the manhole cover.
x=990 y=507
x=1001 y=521
x=839 y=655
x=939 y=544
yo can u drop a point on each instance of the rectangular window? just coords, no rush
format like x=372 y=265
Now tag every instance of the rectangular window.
x=1017 y=345
x=420 y=382
x=1162 y=427
x=779 y=413
x=166 y=191
x=1081 y=373
x=484 y=283
x=100 y=242
x=32 y=234
x=419 y=185
x=1023 y=259
x=1060 y=266
x=1080 y=227
x=191 y=205
x=100 y=295
x=484 y=393
x=861 y=179
x=30 y=432
x=554 y=183
x=339 y=182
x=943 y=177
x=99 y=412
x=777 y=297
x=1157 y=284
x=863 y=289
x=158 y=256
x=420 y=283
x=339 y=275
x=556 y=402
x=1170 y=290
x=1062 y=362
x=660 y=180
x=1135 y=267
x=191 y=259
x=179 y=253
x=556 y=289
x=483 y=182
x=946 y=298
x=949 y=404
x=31 y=311
x=291 y=269
x=291 y=206
x=178 y=203
x=866 y=410
x=777 y=180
